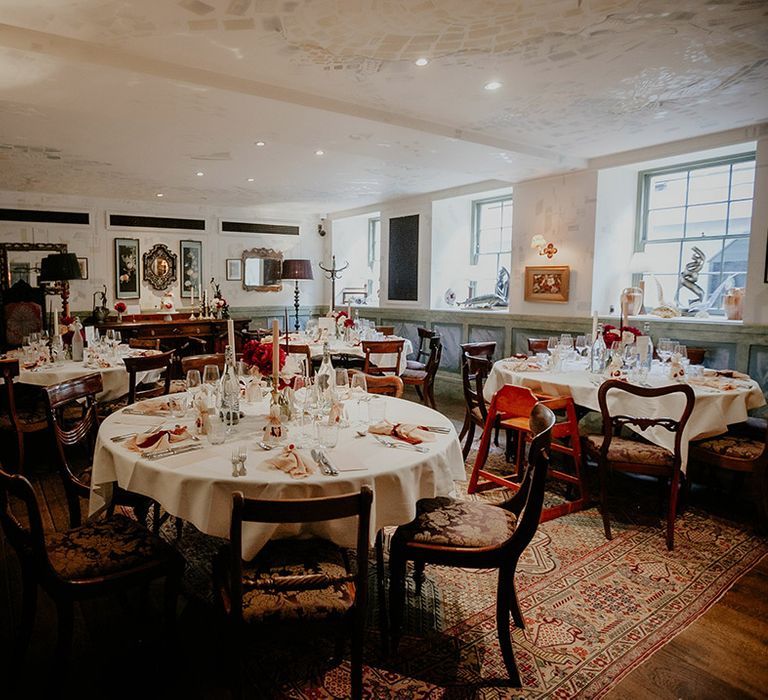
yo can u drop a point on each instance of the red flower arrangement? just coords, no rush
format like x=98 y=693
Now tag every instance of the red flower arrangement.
x=343 y=319
x=67 y=322
x=120 y=307
x=259 y=355
x=611 y=334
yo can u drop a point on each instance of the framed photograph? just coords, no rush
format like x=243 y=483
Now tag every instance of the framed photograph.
x=127 y=268
x=234 y=269
x=83 y=262
x=547 y=283
x=191 y=256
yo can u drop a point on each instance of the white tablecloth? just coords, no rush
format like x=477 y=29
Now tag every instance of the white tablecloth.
x=115 y=379
x=197 y=486
x=712 y=413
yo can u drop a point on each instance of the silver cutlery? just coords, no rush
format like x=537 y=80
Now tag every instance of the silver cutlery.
x=400 y=445
x=264 y=446
x=242 y=456
x=120 y=438
x=331 y=469
x=434 y=429
x=234 y=458
x=323 y=463
x=171 y=451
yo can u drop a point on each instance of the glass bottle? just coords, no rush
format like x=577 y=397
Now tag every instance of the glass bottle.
x=598 y=352
x=325 y=377
x=77 y=341
x=229 y=390
x=648 y=359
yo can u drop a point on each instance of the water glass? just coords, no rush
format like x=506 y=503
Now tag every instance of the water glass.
x=217 y=431
x=178 y=405
x=342 y=383
x=211 y=374
x=327 y=434
x=193 y=381
x=377 y=410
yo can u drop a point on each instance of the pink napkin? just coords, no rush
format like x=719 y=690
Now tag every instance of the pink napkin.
x=158 y=440
x=292 y=463
x=412 y=434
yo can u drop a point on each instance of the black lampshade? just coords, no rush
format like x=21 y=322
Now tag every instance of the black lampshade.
x=297 y=270
x=60 y=266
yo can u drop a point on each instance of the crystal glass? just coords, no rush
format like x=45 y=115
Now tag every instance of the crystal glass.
x=581 y=344
x=665 y=348
x=211 y=374
x=377 y=410
x=342 y=383
x=359 y=384
x=552 y=343
x=327 y=434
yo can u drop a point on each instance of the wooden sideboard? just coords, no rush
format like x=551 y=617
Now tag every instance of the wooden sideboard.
x=213 y=331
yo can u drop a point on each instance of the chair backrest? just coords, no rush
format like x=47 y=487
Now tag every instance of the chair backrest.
x=386 y=386
x=511 y=401
x=474 y=372
x=144 y=343
x=9 y=368
x=385 y=330
x=69 y=432
x=134 y=365
x=304 y=352
x=613 y=423
x=696 y=355
x=529 y=498
x=382 y=347
x=21 y=313
x=537 y=345
x=484 y=349
x=21 y=520
x=303 y=510
x=198 y=362
x=425 y=335
x=434 y=356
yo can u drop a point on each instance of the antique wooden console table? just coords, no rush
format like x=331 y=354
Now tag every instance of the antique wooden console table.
x=213 y=331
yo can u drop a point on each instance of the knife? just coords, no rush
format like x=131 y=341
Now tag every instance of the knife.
x=332 y=471
x=172 y=451
x=435 y=429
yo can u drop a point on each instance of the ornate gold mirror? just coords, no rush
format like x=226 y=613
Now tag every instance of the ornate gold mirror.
x=160 y=266
x=261 y=270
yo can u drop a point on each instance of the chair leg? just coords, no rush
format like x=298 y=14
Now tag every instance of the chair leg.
x=66 y=615
x=383 y=617
x=431 y=393
x=603 y=471
x=419 y=393
x=502 y=628
x=396 y=595
x=28 y=609
x=470 y=438
x=418 y=575
x=465 y=426
x=514 y=606
x=672 y=512
x=20 y=447
x=356 y=665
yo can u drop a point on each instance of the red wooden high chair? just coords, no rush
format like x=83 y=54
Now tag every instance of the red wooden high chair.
x=512 y=406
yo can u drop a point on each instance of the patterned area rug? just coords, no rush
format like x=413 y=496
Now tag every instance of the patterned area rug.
x=594 y=610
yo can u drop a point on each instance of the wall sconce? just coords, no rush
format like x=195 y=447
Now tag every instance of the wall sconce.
x=543 y=247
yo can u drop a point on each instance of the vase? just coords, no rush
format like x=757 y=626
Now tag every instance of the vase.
x=119 y=317
x=632 y=300
x=733 y=303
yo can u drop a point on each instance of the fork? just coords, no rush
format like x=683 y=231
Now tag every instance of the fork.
x=242 y=455
x=235 y=459
x=402 y=446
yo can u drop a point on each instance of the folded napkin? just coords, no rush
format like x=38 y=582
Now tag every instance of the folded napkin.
x=158 y=440
x=519 y=364
x=719 y=383
x=730 y=373
x=412 y=434
x=292 y=463
x=149 y=408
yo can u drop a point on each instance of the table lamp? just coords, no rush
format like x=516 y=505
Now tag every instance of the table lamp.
x=61 y=267
x=296 y=271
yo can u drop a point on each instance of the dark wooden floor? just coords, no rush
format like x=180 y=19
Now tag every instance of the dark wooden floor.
x=121 y=648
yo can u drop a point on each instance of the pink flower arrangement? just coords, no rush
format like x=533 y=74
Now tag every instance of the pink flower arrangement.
x=611 y=334
x=259 y=355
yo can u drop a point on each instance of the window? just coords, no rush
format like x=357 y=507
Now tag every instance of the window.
x=491 y=246
x=374 y=229
x=695 y=219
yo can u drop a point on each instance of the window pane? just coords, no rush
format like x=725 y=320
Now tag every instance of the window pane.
x=706 y=219
x=490 y=240
x=668 y=284
x=743 y=180
x=665 y=223
x=741 y=218
x=667 y=190
x=709 y=185
x=665 y=257
x=490 y=215
x=506 y=216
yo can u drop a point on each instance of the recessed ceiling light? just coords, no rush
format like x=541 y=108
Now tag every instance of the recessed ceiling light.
x=319 y=152
x=199 y=174
x=421 y=61
x=250 y=179
x=260 y=144
x=159 y=194
x=492 y=85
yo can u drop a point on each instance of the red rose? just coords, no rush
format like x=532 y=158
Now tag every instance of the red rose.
x=349 y=323
x=259 y=355
x=120 y=307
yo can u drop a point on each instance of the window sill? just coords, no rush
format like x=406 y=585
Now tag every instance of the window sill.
x=719 y=320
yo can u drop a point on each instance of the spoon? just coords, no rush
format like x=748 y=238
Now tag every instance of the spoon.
x=361 y=433
x=264 y=446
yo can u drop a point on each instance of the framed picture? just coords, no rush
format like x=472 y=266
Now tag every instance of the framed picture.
x=234 y=269
x=83 y=262
x=20 y=271
x=127 y=268
x=191 y=256
x=547 y=283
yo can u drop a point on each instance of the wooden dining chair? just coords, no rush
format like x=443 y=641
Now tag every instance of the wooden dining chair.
x=199 y=362
x=23 y=410
x=616 y=453
x=742 y=450
x=476 y=535
x=474 y=372
x=382 y=347
x=421 y=356
x=304 y=353
x=295 y=586
x=423 y=380
x=510 y=410
x=89 y=560
x=386 y=386
x=139 y=390
x=144 y=343
x=385 y=330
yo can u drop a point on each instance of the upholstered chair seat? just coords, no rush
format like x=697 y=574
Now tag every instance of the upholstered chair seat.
x=734 y=447
x=415 y=365
x=627 y=450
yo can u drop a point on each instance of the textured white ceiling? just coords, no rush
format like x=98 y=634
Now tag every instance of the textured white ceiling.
x=126 y=98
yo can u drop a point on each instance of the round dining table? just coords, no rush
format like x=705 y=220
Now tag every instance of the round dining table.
x=197 y=485
x=338 y=346
x=720 y=400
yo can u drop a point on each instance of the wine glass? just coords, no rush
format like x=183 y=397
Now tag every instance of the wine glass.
x=359 y=385
x=211 y=374
x=552 y=344
x=193 y=382
x=665 y=348
x=581 y=344
x=342 y=383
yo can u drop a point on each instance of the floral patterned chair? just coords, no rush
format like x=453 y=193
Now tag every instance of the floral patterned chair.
x=616 y=453
x=99 y=557
x=295 y=583
x=476 y=535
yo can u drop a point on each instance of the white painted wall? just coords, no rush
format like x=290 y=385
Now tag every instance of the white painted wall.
x=96 y=243
x=756 y=303
x=350 y=246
